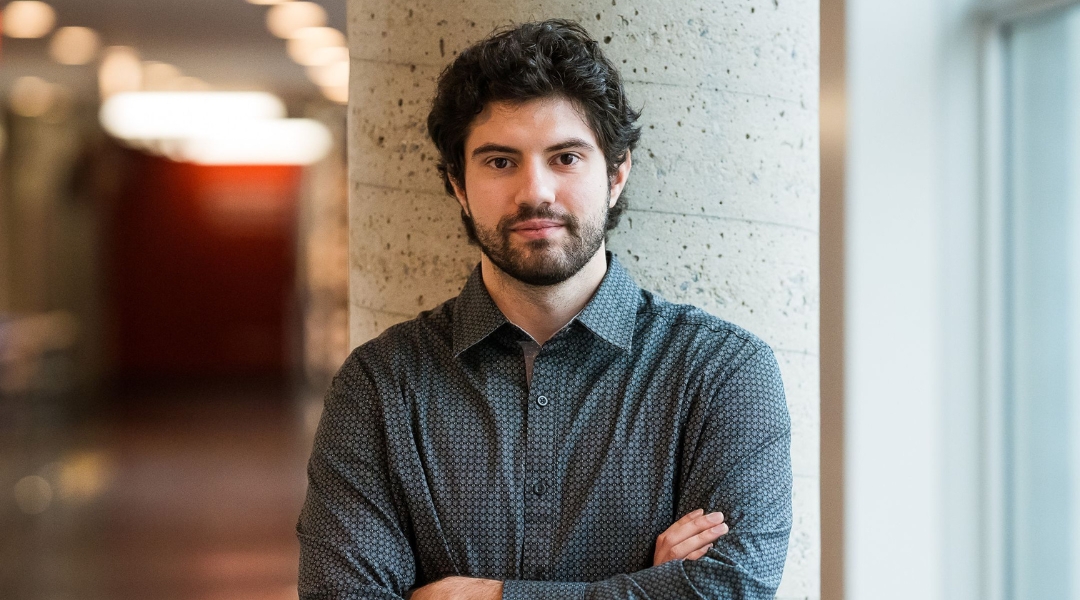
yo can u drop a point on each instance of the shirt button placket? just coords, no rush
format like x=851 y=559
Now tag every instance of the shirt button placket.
x=540 y=469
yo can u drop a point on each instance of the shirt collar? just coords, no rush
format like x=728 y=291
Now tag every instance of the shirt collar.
x=611 y=314
x=475 y=314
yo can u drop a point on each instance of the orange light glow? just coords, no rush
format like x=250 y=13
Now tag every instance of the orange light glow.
x=74 y=45
x=28 y=19
x=307 y=42
x=285 y=19
x=332 y=75
x=121 y=71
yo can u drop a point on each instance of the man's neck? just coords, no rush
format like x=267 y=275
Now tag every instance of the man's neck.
x=543 y=310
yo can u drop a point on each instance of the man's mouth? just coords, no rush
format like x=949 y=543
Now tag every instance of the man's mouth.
x=537 y=228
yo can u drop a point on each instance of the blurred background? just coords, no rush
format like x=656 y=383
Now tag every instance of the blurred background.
x=950 y=299
x=173 y=294
x=173 y=267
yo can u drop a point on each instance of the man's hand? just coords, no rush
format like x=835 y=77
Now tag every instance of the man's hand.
x=459 y=588
x=690 y=537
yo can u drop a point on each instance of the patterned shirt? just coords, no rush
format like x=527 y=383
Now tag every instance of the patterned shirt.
x=437 y=456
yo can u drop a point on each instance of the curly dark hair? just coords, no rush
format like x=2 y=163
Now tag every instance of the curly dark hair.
x=534 y=60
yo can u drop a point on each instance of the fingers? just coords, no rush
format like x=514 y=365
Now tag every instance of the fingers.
x=691 y=525
x=696 y=554
x=700 y=540
x=689 y=537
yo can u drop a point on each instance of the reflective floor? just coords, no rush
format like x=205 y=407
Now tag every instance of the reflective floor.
x=162 y=491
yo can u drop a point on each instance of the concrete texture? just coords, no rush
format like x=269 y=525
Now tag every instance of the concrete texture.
x=723 y=195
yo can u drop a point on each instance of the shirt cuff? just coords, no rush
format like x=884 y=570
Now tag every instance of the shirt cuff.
x=542 y=590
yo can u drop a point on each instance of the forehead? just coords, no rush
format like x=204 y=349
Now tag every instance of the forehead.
x=538 y=122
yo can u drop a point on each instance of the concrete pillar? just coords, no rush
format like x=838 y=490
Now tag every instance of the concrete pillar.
x=723 y=196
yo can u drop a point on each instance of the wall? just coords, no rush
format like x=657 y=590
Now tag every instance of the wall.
x=723 y=196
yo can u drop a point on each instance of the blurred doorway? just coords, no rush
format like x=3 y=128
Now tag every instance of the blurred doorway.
x=201 y=269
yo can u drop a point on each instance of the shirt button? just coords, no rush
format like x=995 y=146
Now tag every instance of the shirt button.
x=539 y=487
x=542 y=400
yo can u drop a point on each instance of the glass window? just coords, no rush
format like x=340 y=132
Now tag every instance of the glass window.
x=1043 y=378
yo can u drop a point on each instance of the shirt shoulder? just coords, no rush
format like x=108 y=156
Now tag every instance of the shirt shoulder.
x=691 y=328
x=733 y=372
x=406 y=347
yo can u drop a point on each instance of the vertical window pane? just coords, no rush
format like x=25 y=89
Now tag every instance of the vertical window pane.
x=1044 y=398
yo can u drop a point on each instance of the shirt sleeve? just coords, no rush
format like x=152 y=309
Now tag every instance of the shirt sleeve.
x=738 y=461
x=353 y=544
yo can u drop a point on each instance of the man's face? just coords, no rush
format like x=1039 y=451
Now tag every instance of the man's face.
x=537 y=189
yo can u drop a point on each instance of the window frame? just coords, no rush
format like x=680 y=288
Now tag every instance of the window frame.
x=995 y=21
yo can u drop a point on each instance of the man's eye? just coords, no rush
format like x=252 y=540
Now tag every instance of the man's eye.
x=568 y=159
x=500 y=163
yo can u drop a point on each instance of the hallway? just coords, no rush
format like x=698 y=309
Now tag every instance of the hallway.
x=181 y=490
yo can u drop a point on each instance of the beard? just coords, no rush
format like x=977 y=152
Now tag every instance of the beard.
x=542 y=262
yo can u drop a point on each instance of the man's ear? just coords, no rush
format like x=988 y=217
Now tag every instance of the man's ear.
x=459 y=193
x=618 y=180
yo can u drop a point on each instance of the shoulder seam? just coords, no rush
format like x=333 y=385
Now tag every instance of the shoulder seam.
x=727 y=326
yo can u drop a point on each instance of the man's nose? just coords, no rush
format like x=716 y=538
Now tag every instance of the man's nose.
x=537 y=184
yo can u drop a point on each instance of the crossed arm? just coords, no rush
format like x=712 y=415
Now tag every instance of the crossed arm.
x=689 y=538
x=354 y=545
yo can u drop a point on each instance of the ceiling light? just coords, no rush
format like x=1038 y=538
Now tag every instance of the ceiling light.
x=325 y=56
x=332 y=75
x=264 y=2
x=215 y=127
x=120 y=71
x=285 y=19
x=339 y=94
x=74 y=45
x=175 y=115
x=304 y=43
x=159 y=76
x=32 y=96
x=82 y=476
x=269 y=142
x=28 y=19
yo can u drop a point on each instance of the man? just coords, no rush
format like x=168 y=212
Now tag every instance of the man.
x=540 y=435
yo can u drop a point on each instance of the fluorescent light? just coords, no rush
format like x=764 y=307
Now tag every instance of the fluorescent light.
x=270 y=142
x=28 y=19
x=215 y=127
x=120 y=71
x=174 y=115
x=305 y=43
x=285 y=19
x=160 y=76
x=74 y=45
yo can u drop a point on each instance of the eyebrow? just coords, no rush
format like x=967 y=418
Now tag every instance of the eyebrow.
x=565 y=145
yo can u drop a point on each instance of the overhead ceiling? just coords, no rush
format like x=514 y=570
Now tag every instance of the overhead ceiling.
x=224 y=42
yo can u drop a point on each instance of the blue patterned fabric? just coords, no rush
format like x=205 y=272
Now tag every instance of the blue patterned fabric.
x=435 y=457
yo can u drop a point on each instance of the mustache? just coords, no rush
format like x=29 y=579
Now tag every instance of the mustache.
x=543 y=211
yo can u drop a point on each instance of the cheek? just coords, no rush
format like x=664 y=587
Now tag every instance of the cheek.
x=592 y=196
x=484 y=197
